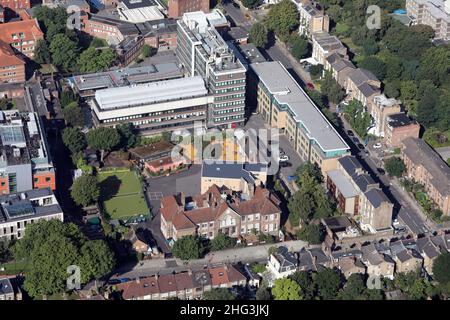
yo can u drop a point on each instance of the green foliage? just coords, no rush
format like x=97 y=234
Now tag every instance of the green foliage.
x=188 y=248
x=98 y=43
x=259 y=268
x=316 y=71
x=50 y=247
x=5 y=104
x=328 y=282
x=218 y=294
x=222 y=241
x=85 y=190
x=64 y=51
x=374 y=65
x=67 y=97
x=282 y=19
x=74 y=139
x=358 y=118
x=42 y=52
x=128 y=138
x=148 y=51
x=286 y=289
x=441 y=268
x=300 y=47
x=392 y=88
x=318 y=98
x=94 y=60
x=258 y=35
x=250 y=3
x=103 y=139
x=5 y=252
x=331 y=89
x=312 y=233
x=413 y=285
x=263 y=293
x=395 y=167
x=267 y=238
x=306 y=283
x=73 y=115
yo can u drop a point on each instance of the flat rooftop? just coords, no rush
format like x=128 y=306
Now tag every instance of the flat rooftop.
x=150 y=93
x=342 y=183
x=287 y=91
x=399 y=120
x=232 y=170
x=126 y=76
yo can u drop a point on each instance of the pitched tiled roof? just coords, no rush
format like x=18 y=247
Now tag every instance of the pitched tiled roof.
x=30 y=29
x=7 y=56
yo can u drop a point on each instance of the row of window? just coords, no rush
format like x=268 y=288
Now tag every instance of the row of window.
x=240 y=95
x=228 y=111
x=229 y=90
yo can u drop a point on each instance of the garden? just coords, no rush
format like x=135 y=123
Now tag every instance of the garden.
x=121 y=194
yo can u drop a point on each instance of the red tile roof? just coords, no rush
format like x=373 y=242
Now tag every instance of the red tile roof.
x=219 y=275
x=29 y=28
x=8 y=57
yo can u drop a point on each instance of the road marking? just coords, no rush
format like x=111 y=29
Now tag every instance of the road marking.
x=155 y=195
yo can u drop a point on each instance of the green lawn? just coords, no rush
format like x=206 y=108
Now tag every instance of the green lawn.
x=13 y=267
x=121 y=194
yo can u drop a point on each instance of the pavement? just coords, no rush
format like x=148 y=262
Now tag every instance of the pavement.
x=165 y=266
x=444 y=152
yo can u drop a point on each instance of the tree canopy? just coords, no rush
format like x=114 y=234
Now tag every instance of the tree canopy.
x=358 y=118
x=95 y=60
x=395 y=166
x=74 y=139
x=73 y=115
x=103 y=139
x=258 y=35
x=300 y=47
x=282 y=19
x=85 y=190
x=219 y=294
x=221 y=242
x=328 y=283
x=286 y=289
x=441 y=268
x=64 y=51
x=188 y=248
x=52 y=246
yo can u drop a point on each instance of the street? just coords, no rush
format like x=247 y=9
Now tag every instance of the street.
x=244 y=255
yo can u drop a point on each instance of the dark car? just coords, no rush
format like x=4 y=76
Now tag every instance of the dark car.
x=236 y=5
x=350 y=133
x=114 y=281
x=381 y=171
x=360 y=146
x=285 y=164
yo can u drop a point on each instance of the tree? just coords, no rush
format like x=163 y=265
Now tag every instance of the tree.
x=413 y=284
x=282 y=19
x=250 y=3
x=73 y=115
x=263 y=294
x=103 y=139
x=300 y=47
x=5 y=252
x=441 y=268
x=64 y=51
x=300 y=207
x=306 y=283
x=374 y=65
x=286 y=289
x=395 y=167
x=67 y=97
x=97 y=260
x=148 y=51
x=312 y=233
x=435 y=65
x=319 y=99
x=49 y=247
x=74 y=139
x=316 y=70
x=392 y=88
x=85 y=190
x=222 y=241
x=187 y=248
x=5 y=104
x=354 y=289
x=128 y=138
x=332 y=89
x=328 y=282
x=358 y=118
x=42 y=52
x=370 y=47
x=94 y=60
x=218 y=294
x=258 y=35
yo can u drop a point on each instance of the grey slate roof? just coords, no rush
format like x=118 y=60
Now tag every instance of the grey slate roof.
x=232 y=170
x=363 y=181
x=286 y=259
x=339 y=63
x=422 y=154
x=350 y=164
x=360 y=76
x=367 y=90
x=376 y=197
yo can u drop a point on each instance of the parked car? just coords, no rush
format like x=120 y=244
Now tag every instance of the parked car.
x=282 y=153
x=360 y=146
x=283 y=158
x=236 y=5
x=381 y=171
x=285 y=164
x=377 y=146
x=350 y=133
x=309 y=85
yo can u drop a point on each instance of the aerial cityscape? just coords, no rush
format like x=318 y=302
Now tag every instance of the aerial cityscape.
x=239 y=150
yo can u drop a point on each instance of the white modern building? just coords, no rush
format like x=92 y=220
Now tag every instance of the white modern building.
x=153 y=107
x=21 y=209
x=434 y=13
